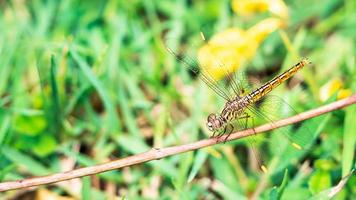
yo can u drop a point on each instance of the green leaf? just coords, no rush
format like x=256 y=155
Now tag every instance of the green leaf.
x=29 y=125
x=308 y=133
x=184 y=166
x=56 y=110
x=335 y=191
x=227 y=192
x=349 y=140
x=109 y=106
x=319 y=181
x=86 y=188
x=33 y=166
x=223 y=172
x=5 y=170
x=290 y=193
x=46 y=145
x=4 y=127
x=276 y=193
x=200 y=158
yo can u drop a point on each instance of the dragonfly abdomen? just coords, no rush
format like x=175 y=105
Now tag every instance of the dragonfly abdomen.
x=270 y=85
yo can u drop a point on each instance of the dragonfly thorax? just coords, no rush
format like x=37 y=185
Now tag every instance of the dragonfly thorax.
x=232 y=110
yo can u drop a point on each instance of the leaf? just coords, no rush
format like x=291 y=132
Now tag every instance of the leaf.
x=319 y=181
x=109 y=106
x=290 y=193
x=226 y=192
x=86 y=188
x=333 y=191
x=32 y=165
x=128 y=116
x=349 y=140
x=5 y=170
x=29 y=125
x=56 y=110
x=180 y=180
x=314 y=126
x=46 y=145
x=4 y=127
x=200 y=158
x=276 y=193
x=223 y=171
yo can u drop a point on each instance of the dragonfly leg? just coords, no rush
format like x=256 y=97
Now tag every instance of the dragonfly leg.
x=246 y=116
x=213 y=135
x=228 y=131
x=222 y=132
x=255 y=152
x=253 y=124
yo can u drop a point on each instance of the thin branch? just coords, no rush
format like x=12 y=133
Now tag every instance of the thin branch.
x=156 y=154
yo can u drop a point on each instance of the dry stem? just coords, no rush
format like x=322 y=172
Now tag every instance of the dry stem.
x=155 y=154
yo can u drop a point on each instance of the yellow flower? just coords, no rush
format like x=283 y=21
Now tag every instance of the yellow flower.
x=329 y=89
x=332 y=87
x=223 y=53
x=248 y=7
x=343 y=93
x=228 y=50
x=260 y=31
x=279 y=8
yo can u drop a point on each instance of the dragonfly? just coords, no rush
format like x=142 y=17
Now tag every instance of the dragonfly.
x=238 y=107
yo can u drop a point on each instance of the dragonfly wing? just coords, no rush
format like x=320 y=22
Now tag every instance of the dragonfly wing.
x=244 y=122
x=193 y=66
x=231 y=85
x=272 y=108
x=294 y=140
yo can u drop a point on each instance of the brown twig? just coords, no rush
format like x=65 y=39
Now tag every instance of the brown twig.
x=155 y=154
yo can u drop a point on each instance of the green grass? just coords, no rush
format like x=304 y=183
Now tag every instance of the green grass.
x=85 y=82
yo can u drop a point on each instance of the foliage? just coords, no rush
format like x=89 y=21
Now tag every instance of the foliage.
x=84 y=82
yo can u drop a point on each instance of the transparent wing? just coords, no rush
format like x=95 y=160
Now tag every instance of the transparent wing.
x=291 y=141
x=241 y=124
x=192 y=65
x=268 y=110
x=231 y=86
x=272 y=108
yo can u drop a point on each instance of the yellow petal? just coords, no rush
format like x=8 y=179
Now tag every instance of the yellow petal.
x=279 y=8
x=261 y=30
x=343 y=93
x=247 y=7
x=230 y=36
x=330 y=88
x=228 y=50
x=224 y=53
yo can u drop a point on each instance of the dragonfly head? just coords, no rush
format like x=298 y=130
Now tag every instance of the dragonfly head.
x=213 y=123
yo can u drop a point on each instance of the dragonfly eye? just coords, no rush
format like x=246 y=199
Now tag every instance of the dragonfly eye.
x=210 y=126
x=211 y=117
x=212 y=122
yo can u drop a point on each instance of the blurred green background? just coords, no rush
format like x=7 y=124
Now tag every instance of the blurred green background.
x=85 y=82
